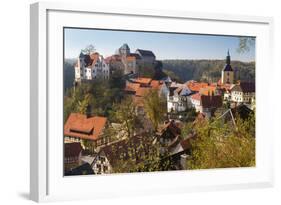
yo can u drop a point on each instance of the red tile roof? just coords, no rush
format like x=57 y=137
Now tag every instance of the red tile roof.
x=245 y=87
x=155 y=84
x=208 y=90
x=208 y=101
x=142 y=91
x=132 y=87
x=72 y=149
x=211 y=101
x=196 y=96
x=142 y=80
x=78 y=125
x=196 y=86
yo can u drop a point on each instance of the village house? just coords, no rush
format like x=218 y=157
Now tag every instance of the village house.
x=243 y=92
x=72 y=155
x=110 y=158
x=210 y=90
x=168 y=134
x=138 y=88
x=206 y=104
x=91 y=66
x=79 y=127
x=195 y=86
x=179 y=153
x=178 y=99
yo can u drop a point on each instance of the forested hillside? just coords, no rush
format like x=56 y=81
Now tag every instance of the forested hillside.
x=207 y=70
x=183 y=70
x=68 y=73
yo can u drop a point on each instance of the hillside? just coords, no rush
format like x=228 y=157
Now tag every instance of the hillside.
x=183 y=70
x=207 y=70
x=68 y=73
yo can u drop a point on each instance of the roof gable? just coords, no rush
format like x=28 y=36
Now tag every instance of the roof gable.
x=78 y=125
x=146 y=53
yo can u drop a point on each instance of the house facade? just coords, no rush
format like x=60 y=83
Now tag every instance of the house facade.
x=79 y=128
x=146 y=56
x=243 y=92
x=206 y=104
x=110 y=158
x=179 y=99
x=91 y=66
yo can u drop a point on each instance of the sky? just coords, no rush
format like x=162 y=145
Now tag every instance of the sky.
x=163 y=45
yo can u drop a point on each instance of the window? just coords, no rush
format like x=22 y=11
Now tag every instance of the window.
x=102 y=159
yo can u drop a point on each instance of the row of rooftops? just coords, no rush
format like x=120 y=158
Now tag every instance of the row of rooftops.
x=90 y=59
x=79 y=125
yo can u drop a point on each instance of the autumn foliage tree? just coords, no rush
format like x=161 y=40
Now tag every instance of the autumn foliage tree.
x=155 y=108
x=223 y=145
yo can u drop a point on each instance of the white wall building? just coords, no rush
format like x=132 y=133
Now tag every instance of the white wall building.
x=89 y=67
x=179 y=99
x=243 y=93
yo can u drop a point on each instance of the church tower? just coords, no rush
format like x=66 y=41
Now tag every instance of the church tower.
x=227 y=74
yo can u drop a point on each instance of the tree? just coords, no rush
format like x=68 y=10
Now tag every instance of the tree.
x=155 y=108
x=141 y=155
x=83 y=105
x=245 y=44
x=220 y=145
x=125 y=113
x=89 y=49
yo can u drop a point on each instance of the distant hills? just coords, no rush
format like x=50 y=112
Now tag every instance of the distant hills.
x=207 y=70
x=184 y=70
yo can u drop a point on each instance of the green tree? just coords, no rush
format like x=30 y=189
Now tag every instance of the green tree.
x=83 y=105
x=89 y=49
x=222 y=145
x=155 y=108
x=245 y=44
x=125 y=113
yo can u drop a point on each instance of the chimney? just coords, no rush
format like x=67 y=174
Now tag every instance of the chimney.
x=89 y=111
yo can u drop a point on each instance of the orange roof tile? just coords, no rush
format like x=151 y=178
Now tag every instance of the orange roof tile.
x=132 y=87
x=78 y=125
x=131 y=58
x=196 y=96
x=209 y=90
x=155 y=84
x=142 y=91
x=196 y=86
x=142 y=80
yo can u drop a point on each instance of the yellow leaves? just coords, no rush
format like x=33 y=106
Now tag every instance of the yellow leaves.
x=221 y=146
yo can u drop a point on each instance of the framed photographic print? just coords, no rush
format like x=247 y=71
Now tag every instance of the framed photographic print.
x=128 y=102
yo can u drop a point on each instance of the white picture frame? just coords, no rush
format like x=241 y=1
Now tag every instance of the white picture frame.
x=46 y=177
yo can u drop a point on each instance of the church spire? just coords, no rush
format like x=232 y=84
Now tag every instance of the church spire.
x=228 y=58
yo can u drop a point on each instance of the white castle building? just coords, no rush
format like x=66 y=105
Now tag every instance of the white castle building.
x=91 y=66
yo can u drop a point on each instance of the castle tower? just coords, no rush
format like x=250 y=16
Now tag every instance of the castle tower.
x=124 y=50
x=227 y=74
